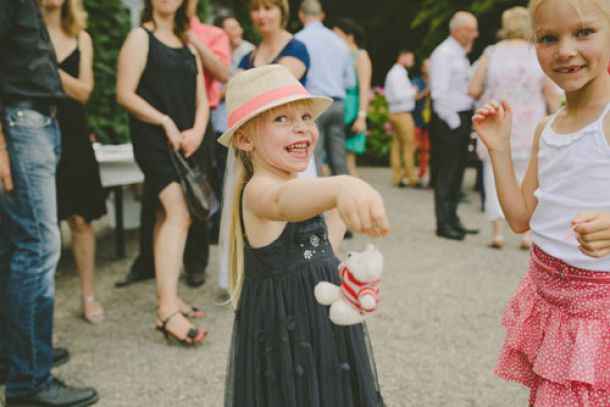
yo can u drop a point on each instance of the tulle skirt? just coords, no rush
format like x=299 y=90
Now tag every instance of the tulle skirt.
x=558 y=335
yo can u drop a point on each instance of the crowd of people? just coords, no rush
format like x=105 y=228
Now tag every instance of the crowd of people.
x=277 y=128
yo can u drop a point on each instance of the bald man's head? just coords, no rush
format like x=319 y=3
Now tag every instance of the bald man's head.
x=464 y=29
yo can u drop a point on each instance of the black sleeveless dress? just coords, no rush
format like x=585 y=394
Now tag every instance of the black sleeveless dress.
x=285 y=351
x=79 y=188
x=168 y=83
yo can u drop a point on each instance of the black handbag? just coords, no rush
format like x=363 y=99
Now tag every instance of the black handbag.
x=200 y=198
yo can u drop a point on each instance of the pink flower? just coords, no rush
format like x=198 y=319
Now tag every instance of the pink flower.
x=389 y=129
x=379 y=90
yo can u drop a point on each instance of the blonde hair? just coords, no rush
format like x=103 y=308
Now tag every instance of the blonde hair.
x=515 y=24
x=244 y=170
x=534 y=8
x=73 y=17
x=281 y=4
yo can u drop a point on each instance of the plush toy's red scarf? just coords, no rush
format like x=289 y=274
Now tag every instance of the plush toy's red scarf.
x=352 y=289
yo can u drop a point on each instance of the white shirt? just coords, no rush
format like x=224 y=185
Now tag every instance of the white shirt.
x=573 y=177
x=331 y=69
x=399 y=92
x=449 y=77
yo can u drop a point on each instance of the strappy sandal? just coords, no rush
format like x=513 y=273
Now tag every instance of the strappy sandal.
x=193 y=336
x=193 y=313
x=92 y=317
x=188 y=311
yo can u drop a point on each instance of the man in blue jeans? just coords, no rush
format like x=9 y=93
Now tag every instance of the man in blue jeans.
x=30 y=89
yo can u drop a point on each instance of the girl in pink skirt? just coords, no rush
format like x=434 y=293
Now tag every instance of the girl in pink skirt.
x=558 y=323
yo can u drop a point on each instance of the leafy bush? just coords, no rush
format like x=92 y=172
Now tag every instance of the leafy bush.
x=379 y=138
x=108 y=25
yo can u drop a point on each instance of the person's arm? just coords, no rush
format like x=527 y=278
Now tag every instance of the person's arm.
x=593 y=233
x=422 y=91
x=294 y=65
x=493 y=123
x=551 y=95
x=214 y=60
x=364 y=70
x=80 y=88
x=477 y=81
x=359 y=205
x=131 y=64
x=440 y=87
x=5 y=164
x=336 y=228
x=295 y=58
x=193 y=137
x=349 y=79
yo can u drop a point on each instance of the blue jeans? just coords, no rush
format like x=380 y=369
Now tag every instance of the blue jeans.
x=29 y=250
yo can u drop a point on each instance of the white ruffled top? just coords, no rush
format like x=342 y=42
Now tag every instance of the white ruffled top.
x=573 y=177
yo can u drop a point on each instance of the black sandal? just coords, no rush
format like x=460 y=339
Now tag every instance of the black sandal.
x=193 y=313
x=191 y=335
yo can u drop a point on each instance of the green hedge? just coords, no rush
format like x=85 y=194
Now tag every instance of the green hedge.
x=108 y=25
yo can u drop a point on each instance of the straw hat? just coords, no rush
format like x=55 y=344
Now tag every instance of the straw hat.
x=256 y=90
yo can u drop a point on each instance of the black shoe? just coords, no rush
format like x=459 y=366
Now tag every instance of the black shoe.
x=194 y=279
x=57 y=394
x=60 y=356
x=458 y=226
x=133 y=277
x=449 y=232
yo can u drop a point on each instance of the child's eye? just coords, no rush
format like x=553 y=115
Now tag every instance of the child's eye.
x=280 y=119
x=546 y=39
x=584 y=32
x=307 y=117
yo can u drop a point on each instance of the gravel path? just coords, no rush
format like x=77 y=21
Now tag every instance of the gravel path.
x=436 y=335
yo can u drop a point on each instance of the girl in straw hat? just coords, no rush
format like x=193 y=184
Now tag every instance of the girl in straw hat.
x=285 y=351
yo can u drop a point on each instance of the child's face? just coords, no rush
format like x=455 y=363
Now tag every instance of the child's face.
x=573 y=49
x=286 y=138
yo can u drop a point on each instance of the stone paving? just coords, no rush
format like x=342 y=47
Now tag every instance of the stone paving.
x=435 y=337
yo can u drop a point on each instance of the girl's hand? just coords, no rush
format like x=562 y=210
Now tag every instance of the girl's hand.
x=173 y=134
x=359 y=125
x=493 y=123
x=361 y=207
x=191 y=139
x=593 y=233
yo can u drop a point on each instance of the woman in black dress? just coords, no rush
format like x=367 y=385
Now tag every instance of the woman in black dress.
x=80 y=198
x=160 y=83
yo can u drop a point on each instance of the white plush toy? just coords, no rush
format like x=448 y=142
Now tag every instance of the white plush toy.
x=358 y=293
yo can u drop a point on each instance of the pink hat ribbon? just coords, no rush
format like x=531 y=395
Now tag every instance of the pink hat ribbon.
x=264 y=99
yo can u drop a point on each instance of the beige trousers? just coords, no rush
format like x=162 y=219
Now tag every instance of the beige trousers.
x=403 y=148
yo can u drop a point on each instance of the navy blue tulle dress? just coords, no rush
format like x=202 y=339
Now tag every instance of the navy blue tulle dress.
x=285 y=351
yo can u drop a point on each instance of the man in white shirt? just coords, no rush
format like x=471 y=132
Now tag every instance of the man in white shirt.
x=400 y=94
x=452 y=112
x=331 y=72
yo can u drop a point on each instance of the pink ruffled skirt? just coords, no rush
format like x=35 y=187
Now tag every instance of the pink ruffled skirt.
x=558 y=335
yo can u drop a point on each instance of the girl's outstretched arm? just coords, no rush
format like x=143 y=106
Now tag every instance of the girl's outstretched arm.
x=358 y=204
x=493 y=123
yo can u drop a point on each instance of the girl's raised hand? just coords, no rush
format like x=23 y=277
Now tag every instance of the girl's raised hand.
x=493 y=124
x=361 y=207
x=593 y=233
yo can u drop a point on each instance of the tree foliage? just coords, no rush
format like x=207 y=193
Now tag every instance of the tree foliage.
x=108 y=25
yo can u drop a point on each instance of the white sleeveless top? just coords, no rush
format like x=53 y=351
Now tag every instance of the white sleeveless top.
x=573 y=177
